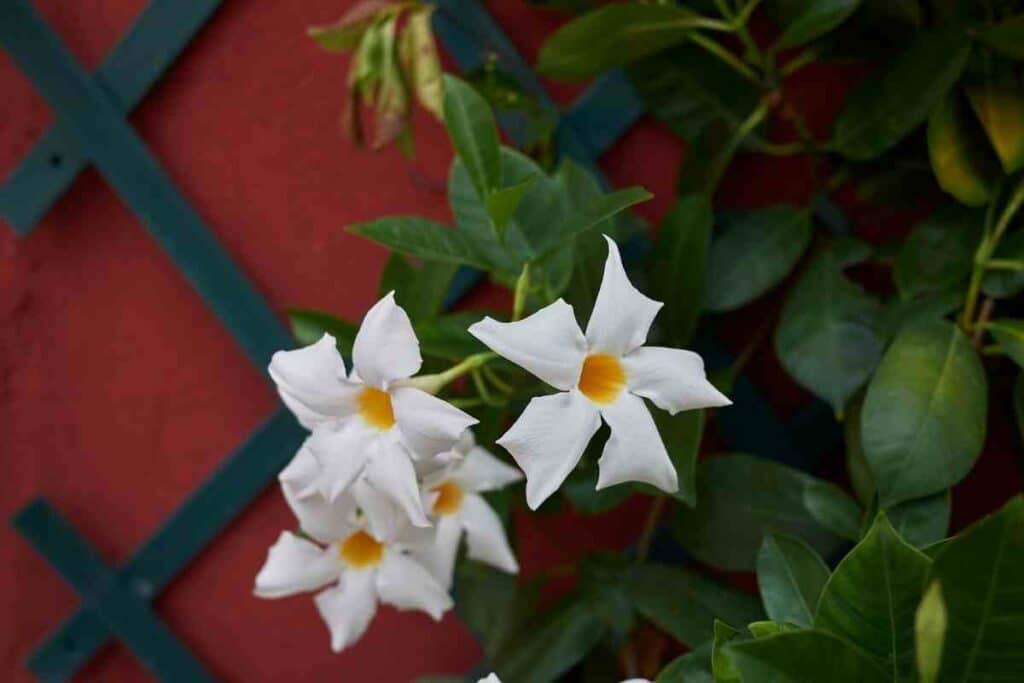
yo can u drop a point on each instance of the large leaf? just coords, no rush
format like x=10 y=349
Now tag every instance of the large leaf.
x=754 y=253
x=939 y=252
x=740 y=498
x=420 y=290
x=474 y=134
x=685 y=604
x=681 y=433
x=693 y=667
x=679 y=266
x=886 y=106
x=871 y=598
x=809 y=19
x=923 y=422
x=1010 y=335
x=959 y=155
x=922 y=521
x=803 y=657
x=829 y=336
x=611 y=36
x=429 y=240
x=489 y=603
x=1006 y=37
x=1000 y=284
x=982 y=576
x=308 y=326
x=790 y=575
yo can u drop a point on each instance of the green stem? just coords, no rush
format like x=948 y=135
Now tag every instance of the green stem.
x=729 y=58
x=1004 y=264
x=481 y=388
x=499 y=384
x=522 y=289
x=992 y=350
x=983 y=255
x=806 y=57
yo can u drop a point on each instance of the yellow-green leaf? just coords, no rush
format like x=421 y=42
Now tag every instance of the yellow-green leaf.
x=422 y=65
x=1010 y=335
x=999 y=106
x=960 y=160
x=930 y=632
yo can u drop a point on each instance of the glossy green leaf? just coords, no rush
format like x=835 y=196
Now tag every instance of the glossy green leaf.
x=502 y=204
x=426 y=239
x=721 y=666
x=679 y=266
x=999 y=105
x=924 y=417
x=959 y=155
x=898 y=311
x=790 y=576
x=600 y=209
x=810 y=19
x=922 y=521
x=581 y=490
x=939 y=252
x=982 y=575
x=1000 y=284
x=603 y=581
x=1010 y=335
x=829 y=337
x=474 y=134
x=886 y=106
x=872 y=595
x=693 y=667
x=489 y=603
x=740 y=498
x=856 y=464
x=447 y=336
x=308 y=326
x=420 y=290
x=930 y=624
x=833 y=509
x=763 y=629
x=611 y=36
x=707 y=158
x=753 y=253
x=1006 y=37
x=803 y=657
x=681 y=433
x=685 y=603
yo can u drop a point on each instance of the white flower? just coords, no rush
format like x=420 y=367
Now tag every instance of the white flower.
x=493 y=678
x=605 y=373
x=453 y=497
x=368 y=425
x=364 y=569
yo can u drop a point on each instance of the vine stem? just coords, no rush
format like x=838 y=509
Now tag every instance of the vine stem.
x=434 y=383
x=643 y=543
x=522 y=288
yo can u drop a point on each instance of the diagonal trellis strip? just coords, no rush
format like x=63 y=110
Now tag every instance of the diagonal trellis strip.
x=132 y=67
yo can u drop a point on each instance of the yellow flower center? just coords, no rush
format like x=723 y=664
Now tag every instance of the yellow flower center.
x=449 y=498
x=375 y=407
x=602 y=378
x=360 y=550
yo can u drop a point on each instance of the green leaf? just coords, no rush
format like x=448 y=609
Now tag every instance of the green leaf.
x=586 y=498
x=1010 y=335
x=707 y=158
x=763 y=629
x=811 y=19
x=924 y=417
x=684 y=603
x=604 y=586
x=790 y=576
x=803 y=657
x=929 y=633
x=502 y=204
x=939 y=252
x=1000 y=284
x=886 y=106
x=721 y=666
x=1018 y=403
x=829 y=337
x=681 y=433
x=600 y=209
x=421 y=291
x=753 y=253
x=611 y=36
x=429 y=240
x=833 y=509
x=448 y=336
x=693 y=667
x=308 y=326
x=960 y=157
x=474 y=134
x=922 y=521
x=559 y=640
x=999 y=105
x=871 y=597
x=899 y=311
x=1006 y=38
x=740 y=498
x=856 y=465
x=982 y=575
x=679 y=266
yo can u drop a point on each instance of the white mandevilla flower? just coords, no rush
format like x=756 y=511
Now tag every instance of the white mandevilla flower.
x=607 y=373
x=453 y=498
x=365 y=568
x=493 y=678
x=371 y=425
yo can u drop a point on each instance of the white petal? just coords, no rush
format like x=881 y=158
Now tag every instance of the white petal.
x=404 y=583
x=391 y=473
x=634 y=451
x=311 y=382
x=481 y=471
x=548 y=440
x=622 y=315
x=324 y=520
x=301 y=476
x=295 y=565
x=348 y=607
x=386 y=347
x=384 y=518
x=548 y=343
x=342 y=455
x=673 y=379
x=429 y=425
x=485 y=535
x=439 y=556
x=492 y=678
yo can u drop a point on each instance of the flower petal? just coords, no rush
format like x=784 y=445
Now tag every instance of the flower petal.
x=482 y=471
x=406 y=584
x=548 y=440
x=342 y=455
x=634 y=451
x=295 y=565
x=673 y=379
x=301 y=476
x=548 y=343
x=386 y=347
x=312 y=383
x=429 y=425
x=485 y=535
x=439 y=556
x=323 y=520
x=622 y=315
x=348 y=608
x=391 y=473
x=384 y=519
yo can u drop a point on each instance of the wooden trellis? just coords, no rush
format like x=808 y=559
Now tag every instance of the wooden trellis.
x=91 y=128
